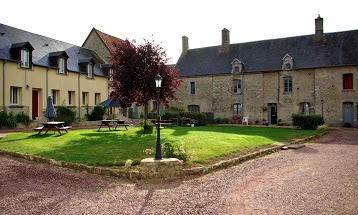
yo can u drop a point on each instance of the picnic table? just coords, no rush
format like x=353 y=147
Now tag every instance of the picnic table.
x=112 y=123
x=52 y=126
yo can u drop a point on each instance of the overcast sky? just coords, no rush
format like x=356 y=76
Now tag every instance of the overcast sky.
x=168 y=20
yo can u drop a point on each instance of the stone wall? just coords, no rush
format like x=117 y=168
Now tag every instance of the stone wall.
x=214 y=93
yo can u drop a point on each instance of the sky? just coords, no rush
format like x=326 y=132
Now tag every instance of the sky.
x=166 y=21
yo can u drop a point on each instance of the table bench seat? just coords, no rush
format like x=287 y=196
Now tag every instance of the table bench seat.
x=38 y=128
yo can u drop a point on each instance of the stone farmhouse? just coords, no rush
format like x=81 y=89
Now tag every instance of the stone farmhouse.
x=270 y=80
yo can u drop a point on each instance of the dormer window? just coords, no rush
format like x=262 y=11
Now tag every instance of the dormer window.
x=237 y=66
x=89 y=70
x=287 y=62
x=61 y=65
x=59 y=60
x=86 y=66
x=22 y=52
x=107 y=69
x=25 y=58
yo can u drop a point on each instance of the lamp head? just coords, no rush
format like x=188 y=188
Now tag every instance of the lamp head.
x=158 y=81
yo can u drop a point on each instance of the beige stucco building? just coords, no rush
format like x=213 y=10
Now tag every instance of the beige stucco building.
x=34 y=67
x=270 y=80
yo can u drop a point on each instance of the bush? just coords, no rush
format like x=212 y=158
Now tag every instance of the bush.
x=97 y=113
x=169 y=150
x=66 y=115
x=225 y=120
x=147 y=127
x=7 y=120
x=201 y=117
x=23 y=118
x=218 y=120
x=307 y=122
x=322 y=128
x=172 y=112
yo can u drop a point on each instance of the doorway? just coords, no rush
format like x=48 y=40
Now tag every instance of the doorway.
x=272 y=113
x=35 y=104
x=348 y=115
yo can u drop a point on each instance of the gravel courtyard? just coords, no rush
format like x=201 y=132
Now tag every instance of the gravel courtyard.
x=321 y=178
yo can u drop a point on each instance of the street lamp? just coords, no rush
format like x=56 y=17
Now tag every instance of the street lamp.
x=158 y=149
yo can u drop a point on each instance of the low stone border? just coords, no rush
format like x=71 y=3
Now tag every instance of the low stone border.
x=135 y=174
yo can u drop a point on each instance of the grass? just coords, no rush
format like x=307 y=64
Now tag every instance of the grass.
x=113 y=148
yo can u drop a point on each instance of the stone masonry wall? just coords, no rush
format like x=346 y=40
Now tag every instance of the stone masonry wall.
x=214 y=93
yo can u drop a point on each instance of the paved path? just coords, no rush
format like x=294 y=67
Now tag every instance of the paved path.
x=321 y=178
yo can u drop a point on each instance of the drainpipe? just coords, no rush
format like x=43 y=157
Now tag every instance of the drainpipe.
x=79 y=96
x=3 y=85
x=47 y=82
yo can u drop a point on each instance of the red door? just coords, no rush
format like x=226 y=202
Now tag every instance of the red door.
x=35 y=104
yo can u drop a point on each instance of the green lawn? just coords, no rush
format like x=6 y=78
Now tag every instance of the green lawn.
x=112 y=148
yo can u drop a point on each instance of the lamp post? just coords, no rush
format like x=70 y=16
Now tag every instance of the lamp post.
x=158 y=149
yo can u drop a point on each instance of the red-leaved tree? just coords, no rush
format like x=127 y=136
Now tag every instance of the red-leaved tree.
x=134 y=70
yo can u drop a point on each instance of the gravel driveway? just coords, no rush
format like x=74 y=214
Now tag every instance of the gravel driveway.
x=321 y=178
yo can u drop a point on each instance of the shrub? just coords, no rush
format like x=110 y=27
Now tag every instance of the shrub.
x=307 y=122
x=97 y=113
x=7 y=120
x=23 y=118
x=172 y=112
x=201 y=117
x=322 y=128
x=218 y=120
x=147 y=127
x=169 y=150
x=66 y=115
x=225 y=120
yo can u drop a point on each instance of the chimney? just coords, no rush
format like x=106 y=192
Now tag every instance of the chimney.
x=185 y=44
x=319 y=26
x=225 y=44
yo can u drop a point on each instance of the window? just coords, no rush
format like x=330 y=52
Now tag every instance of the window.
x=287 y=62
x=71 y=98
x=111 y=74
x=25 y=58
x=237 y=108
x=237 y=86
x=194 y=108
x=89 y=70
x=61 y=65
x=14 y=95
x=97 y=98
x=154 y=105
x=236 y=66
x=348 y=81
x=55 y=96
x=84 y=98
x=305 y=108
x=192 y=87
x=288 y=84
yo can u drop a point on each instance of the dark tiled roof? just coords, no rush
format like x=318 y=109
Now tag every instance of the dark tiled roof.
x=43 y=46
x=332 y=49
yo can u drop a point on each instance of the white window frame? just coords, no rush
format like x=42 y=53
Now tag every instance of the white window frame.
x=14 y=95
x=110 y=74
x=84 y=98
x=55 y=96
x=71 y=98
x=305 y=108
x=288 y=84
x=89 y=70
x=61 y=65
x=237 y=86
x=97 y=98
x=25 y=58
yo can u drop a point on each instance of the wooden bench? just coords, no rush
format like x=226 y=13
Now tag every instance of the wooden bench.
x=39 y=128
x=65 y=128
x=120 y=124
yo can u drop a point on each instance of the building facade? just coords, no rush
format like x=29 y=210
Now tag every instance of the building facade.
x=34 y=67
x=270 y=80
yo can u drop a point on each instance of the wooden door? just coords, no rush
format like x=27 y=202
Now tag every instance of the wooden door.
x=35 y=104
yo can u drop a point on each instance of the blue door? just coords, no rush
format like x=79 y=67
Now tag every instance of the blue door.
x=348 y=114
